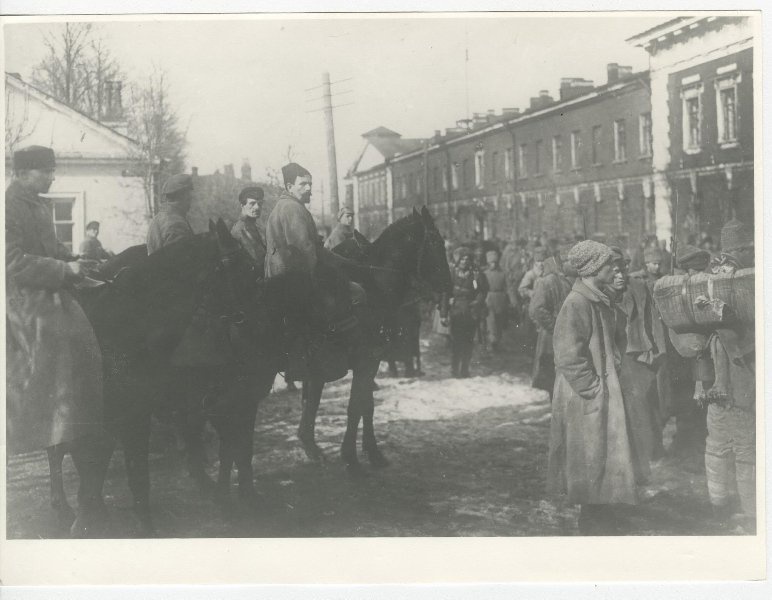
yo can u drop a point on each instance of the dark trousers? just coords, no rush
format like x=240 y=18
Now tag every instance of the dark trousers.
x=462 y=331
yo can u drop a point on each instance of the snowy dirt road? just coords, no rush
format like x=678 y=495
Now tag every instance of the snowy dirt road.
x=467 y=458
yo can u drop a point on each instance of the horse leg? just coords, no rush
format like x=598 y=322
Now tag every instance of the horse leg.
x=135 y=440
x=193 y=423
x=369 y=443
x=311 y=396
x=244 y=449
x=361 y=385
x=91 y=455
x=64 y=513
x=226 y=455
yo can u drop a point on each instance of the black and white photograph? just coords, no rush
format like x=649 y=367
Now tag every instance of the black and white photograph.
x=352 y=276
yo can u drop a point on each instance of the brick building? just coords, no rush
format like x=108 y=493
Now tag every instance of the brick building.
x=702 y=111
x=566 y=165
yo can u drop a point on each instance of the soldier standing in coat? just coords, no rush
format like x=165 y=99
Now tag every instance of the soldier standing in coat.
x=245 y=230
x=54 y=377
x=496 y=300
x=171 y=224
x=590 y=458
x=469 y=290
x=549 y=293
x=731 y=400
x=525 y=291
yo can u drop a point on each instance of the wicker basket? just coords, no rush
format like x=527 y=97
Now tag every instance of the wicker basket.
x=730 y=300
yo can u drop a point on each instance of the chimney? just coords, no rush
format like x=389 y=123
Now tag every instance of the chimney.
x=479 y=119
x=572 y=87
x=542 y=100
x=246 y=171
x=194 y=171
x=113 y=110
x=454 y=130
x=625 y=71
x=510 y=112
x=228 y=171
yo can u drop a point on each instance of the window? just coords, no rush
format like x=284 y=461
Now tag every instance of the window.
x=576 y=144
x=479 y=168
x=537 y=157
x=557 y=154
x=726 y=109
x=692 y=117
x=64 y=222
x=404 y=186
x=494 y=166
x=644 y=134
x=522 y=161
x=596 y=135
x=620 y=141
x=418 y=183
x=454 y=176
x=465 y=174
x=508 y=157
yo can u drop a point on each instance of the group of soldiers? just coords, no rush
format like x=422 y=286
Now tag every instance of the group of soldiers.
x=615 y=373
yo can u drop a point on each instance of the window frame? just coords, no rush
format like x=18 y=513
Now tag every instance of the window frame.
x=596 y=144
x=620 y=141
x=537 y=158
x=724 y=82
x=645 y=136
x=557 y=153
x=522 y=161
x=691 y=92
x=509 y=156
x=479 y=169
x=576 y=148
x=78 y=217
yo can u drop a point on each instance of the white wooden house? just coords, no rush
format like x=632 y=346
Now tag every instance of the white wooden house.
x=94 y=166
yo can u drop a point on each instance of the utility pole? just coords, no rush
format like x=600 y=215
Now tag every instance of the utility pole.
x=332 y=163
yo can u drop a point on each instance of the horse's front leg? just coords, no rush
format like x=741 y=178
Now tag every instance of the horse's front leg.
x=310 y=398
x=64 y=513
x=91 y=455
x=135 y=439
x=369 y=443
x=361 y=394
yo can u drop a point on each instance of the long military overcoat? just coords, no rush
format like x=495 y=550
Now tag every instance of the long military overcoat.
x=589 y=451
x=53 y=360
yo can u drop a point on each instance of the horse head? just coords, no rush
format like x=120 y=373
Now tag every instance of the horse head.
x=432 y=259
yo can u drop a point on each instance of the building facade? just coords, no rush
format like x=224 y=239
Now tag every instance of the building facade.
x=94 y=165
x=579 y=164
x=702 y=112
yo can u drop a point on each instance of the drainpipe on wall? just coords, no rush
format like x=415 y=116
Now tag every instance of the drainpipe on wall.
x=513 y=170
x=426 y=173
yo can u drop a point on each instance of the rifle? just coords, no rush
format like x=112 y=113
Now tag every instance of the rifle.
x=674 y=235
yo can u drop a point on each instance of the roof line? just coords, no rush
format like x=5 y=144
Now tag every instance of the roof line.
x=665 y=28
x=45 y=96
x=628 y=81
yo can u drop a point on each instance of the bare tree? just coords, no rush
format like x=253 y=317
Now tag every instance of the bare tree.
x=154 y=124
x=76 y=67
x=18 y=123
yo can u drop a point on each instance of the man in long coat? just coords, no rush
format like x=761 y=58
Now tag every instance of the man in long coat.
x=171 y=224
x=590 y=457
x=54 y=378
x=246 y=231
x=469 y=290
x=496 y=300
x=549 y=294
x=638 y=374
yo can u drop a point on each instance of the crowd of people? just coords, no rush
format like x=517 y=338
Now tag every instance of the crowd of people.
x=615 y=373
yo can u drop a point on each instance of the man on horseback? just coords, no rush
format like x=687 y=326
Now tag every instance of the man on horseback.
x=294 y=249
x=54 y=385
x=171 y=224
x=245 y=230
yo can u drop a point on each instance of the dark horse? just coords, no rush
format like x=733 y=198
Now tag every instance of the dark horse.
x=410 y=249
x=141 y=319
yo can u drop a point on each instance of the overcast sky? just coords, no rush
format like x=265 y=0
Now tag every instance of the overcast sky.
x=240 y=85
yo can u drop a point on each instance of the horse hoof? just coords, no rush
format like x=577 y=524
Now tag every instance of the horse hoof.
x=376 y=458
x=313 y=452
